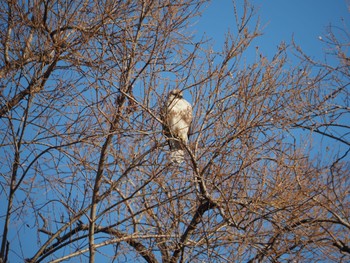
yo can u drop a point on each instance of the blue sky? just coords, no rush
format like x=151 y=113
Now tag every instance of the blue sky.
x=279 y=20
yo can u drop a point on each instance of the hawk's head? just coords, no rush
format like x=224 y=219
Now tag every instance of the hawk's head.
x=177 y=93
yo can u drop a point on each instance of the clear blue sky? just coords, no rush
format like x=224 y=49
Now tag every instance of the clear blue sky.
x=279 y=20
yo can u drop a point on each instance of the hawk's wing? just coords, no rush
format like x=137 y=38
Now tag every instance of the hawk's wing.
x=178 y=118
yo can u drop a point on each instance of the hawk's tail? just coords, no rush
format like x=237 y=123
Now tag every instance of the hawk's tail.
x=176 y=152
x=177 y=156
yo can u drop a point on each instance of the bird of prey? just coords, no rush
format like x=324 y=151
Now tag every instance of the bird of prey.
x=176 y=123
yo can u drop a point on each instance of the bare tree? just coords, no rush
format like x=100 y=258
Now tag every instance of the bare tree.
x=85 y=172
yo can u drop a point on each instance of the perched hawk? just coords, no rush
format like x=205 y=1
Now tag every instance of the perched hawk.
x=177 y=120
